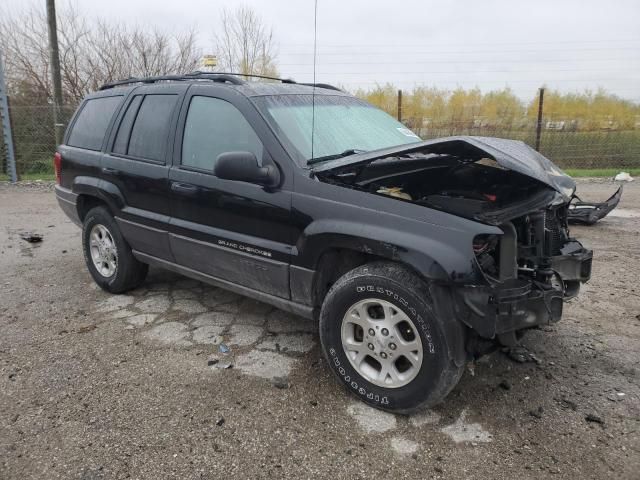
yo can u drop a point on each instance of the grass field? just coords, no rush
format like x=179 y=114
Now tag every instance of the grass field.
x=30 y=177
x=601 y=172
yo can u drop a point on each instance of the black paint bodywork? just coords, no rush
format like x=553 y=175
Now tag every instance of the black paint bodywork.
x=271 y=242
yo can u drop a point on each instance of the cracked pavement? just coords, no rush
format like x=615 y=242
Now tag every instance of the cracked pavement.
x=95 y=386
x=263 y=341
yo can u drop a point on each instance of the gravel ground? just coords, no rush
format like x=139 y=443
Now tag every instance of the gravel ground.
x=94 y=386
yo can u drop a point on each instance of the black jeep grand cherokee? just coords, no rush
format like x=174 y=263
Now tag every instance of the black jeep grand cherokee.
x=414 y=255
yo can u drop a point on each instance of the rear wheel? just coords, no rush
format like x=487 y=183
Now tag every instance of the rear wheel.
x=108 y=255
x=384 y=341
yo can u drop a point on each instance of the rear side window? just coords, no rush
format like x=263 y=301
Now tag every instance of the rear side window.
x=214 y=126
x=91 y=125
x=151 y=127
x=121 y=144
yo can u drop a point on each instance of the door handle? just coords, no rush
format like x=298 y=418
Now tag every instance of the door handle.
x=184 y=188
x=110 y=171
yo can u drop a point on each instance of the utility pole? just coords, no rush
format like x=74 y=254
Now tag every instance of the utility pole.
x=400 y=105
x=539 y=124
x=54 y=57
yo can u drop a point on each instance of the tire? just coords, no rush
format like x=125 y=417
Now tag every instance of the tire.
x=120 y=271
x=389 y=294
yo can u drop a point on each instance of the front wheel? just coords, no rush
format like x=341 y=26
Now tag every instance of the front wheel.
x=384 y=341
x=108 y=255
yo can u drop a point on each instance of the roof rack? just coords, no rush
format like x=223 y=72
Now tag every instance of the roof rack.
x=214 y=77
x=322 y=85
x=221 y=77
x=198 y=73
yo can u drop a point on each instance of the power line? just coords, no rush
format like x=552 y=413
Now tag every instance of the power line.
x=536 y=42
x=426 y=72
x=381 y=82
x=432 y=72
x=506 y=60
x=463 y=52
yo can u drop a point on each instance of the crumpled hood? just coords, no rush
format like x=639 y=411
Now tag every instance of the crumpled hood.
x=511 y=154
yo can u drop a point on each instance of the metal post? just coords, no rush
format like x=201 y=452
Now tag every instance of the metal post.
x=399 y=105
x=539 y=124
x=55 y=71
x=7 y=136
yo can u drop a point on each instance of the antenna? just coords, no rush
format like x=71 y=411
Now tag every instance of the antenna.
x=315 y=56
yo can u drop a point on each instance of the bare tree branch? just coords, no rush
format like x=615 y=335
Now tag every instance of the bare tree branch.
x=92 y=52
x=245 y=44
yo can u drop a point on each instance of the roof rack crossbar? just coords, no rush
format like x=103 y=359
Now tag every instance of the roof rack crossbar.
x=322 y=85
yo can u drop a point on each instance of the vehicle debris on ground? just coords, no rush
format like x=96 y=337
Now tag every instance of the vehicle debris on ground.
x=32 y=237
x=588 y=213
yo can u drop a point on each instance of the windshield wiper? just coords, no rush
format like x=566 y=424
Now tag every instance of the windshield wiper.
x=346 y=153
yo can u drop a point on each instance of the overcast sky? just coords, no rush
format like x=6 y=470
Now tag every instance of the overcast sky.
x=566 y=44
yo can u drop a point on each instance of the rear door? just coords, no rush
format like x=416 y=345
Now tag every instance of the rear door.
x=137 y=163
x=231 y=230
x=85 y=137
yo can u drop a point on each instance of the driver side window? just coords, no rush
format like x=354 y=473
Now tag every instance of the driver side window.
x=215 y=126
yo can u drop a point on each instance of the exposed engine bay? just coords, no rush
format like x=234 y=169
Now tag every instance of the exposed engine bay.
x=479 y=190
x=534 y=265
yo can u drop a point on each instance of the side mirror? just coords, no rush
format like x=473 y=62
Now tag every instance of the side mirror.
x=243 y=166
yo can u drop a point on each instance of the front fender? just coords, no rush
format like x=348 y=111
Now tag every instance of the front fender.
x=434 y=259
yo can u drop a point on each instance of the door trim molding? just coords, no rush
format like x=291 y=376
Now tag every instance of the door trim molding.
x=281 y=303
x=237 y=251
x=140 y=225
x=228 y=235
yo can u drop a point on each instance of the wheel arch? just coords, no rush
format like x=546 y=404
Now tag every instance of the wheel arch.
x=86 y=202
x=93 y=192
x=332 y=261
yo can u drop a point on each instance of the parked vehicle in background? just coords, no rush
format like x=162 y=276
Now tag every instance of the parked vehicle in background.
x=413 y=255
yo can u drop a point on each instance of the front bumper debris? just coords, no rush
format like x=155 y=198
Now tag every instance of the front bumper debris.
x=587 y=213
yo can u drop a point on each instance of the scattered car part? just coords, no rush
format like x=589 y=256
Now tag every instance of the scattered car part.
x=588 y=213
x=623 y=177
x=31 y=237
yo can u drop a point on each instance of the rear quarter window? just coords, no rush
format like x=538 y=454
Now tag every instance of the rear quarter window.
x=151 y=127
x=89 y=128
x=121 y=144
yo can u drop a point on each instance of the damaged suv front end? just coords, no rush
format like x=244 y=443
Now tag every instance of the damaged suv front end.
x=529 y=271
x=520 y=277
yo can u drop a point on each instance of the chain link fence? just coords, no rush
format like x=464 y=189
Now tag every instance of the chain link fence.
x=34 y=141
x=596 y=149
x=4 y=167
x=34 y=138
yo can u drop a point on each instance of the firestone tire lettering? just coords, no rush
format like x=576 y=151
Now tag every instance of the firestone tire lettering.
x=392 y=283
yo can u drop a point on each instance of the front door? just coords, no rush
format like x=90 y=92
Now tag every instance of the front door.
x=231 y=230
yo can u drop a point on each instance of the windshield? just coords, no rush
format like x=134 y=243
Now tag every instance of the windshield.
x=343 y=125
